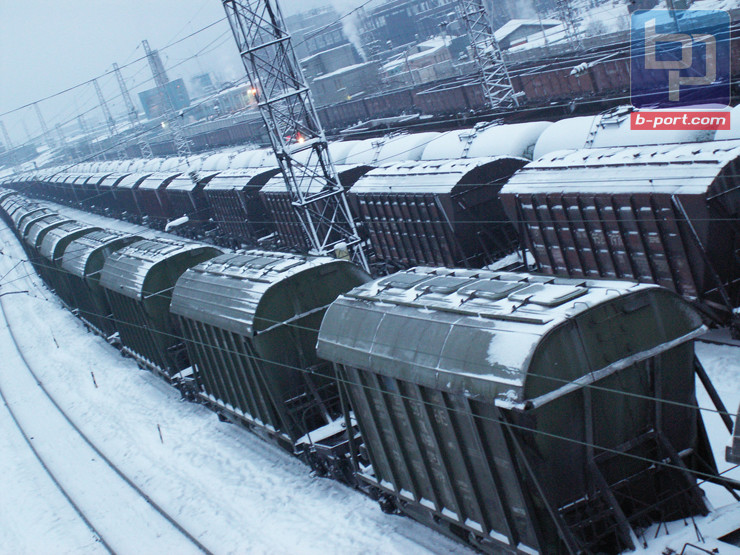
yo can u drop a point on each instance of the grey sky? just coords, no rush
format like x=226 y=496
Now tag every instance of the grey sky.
x=47 y=46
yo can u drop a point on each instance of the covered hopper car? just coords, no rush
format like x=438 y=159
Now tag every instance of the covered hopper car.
x=522 y=413
x=444 y=213
x=661 y=214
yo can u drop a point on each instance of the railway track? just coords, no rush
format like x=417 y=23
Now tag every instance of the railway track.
x=118 y=513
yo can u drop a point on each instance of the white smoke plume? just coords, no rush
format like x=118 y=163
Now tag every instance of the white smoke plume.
x=350 y=25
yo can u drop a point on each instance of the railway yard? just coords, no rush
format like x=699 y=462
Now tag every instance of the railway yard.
x=467 y=302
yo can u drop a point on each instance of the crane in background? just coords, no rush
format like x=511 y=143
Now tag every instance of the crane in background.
x=293 y=126
x=492 y=69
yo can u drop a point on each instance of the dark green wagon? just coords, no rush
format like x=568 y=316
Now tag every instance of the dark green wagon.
x=51 y=251
x=34 y=234
x=522 y=413
x=251 y=321
x=83 y=262
x=138 y=280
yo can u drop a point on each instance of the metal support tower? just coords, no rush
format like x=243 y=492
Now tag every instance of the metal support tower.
x=109 y=121
x=293 y=126
x=94 y=150
x=570 y=22
x=6 y=137
x=160 y=79
x=494 y=74
x=8 y=143
x=133 y=115
x=44 y=129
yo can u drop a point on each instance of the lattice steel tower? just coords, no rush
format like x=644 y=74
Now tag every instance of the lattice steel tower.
x=133 y=115
x=48 y=139
x=109 y=121
x=160 y=79
x=494 y=74
x=293 y=126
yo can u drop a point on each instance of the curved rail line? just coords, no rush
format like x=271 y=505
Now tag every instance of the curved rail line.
x=97 y=534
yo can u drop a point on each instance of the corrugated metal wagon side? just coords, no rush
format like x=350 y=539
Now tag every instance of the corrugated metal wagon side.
x=437 y=212
x=251 y=322
x=278 y=201
x=237 y=208
x=138 y=281
x=83 y=262
x=523 y=413
x=51 y=251
x=666 y=215
x=34 y=234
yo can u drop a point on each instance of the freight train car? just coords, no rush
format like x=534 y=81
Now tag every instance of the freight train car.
x=138 y=281
x=51 y=251
x=83 y=262
x=250 y=321
x=666 y=215
x=238 y=212
x=437 y=212
x=519 y=413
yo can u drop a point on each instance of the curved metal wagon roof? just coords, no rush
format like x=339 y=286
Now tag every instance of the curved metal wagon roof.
x=486 y=333
x=126 y=271
x=36 y=231
x=54 y=242
x=673 y=169
x=229 y=291
x=439 y=176
x=241 y=178
x=77 y=256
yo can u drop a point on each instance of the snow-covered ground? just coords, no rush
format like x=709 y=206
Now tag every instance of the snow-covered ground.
x=234 y=492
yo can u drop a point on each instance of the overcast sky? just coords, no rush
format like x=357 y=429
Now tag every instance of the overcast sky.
x=47 y=46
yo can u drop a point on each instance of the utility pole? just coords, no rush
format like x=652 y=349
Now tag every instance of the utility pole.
x=61 y=137
x=8 y=143
x=44 y=129
x=494 y=74
x=570 y=23
x=173 y=121
x=293 y=126
x=133 y=115
x=94 y=151
x=109 y=121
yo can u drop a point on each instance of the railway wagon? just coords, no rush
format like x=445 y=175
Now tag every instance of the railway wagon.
x=138 y=281
x=451 y=98
x=517 y=139
x=51 y=251
x=86 y=189
x=733 y=450
x=186 y=199
x=250 y=321
x=83 y=262
x=609 y=129
x=238 y=211
x=438 y=213
x=150 y=199
x=106 y=194
x=278 y=201
x=662 y=214
x=10 y=202
x=34 y=234
x=519 y=412
x=25 y=214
